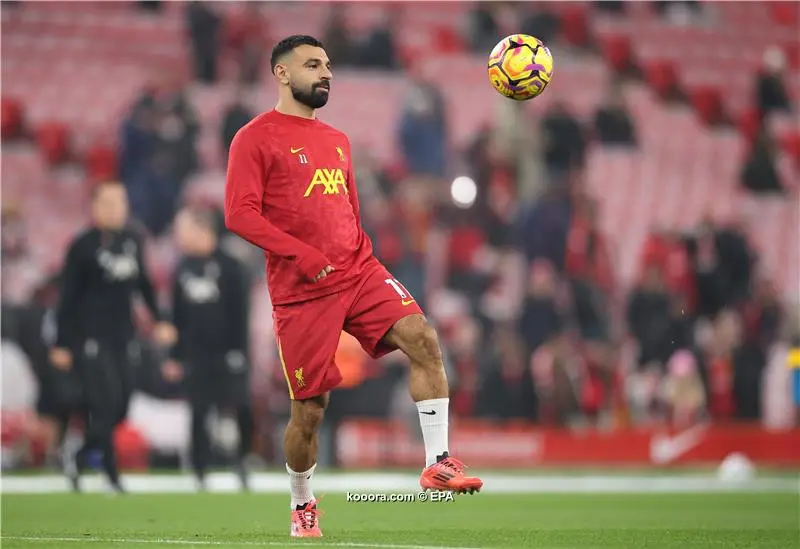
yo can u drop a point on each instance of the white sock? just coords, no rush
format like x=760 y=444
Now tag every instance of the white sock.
x=433 y=420
x=300 y=485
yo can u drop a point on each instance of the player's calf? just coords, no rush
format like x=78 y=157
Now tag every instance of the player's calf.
x=300 y=440
x=429 y=389
x=300 y=446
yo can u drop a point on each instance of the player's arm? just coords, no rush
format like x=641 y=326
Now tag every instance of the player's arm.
x=164 y=331
x=172 y=369
x=248 y=168
x=72 y=288
x=178 y=316
x=352 y=190
x=236 y=295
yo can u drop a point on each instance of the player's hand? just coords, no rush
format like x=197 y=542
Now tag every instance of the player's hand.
x=61 y=358
x=312 y=264
x=172 y=371
x=323 y=273
x=166 y=334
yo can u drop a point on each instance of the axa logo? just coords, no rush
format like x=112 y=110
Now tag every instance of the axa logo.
x=328 y=179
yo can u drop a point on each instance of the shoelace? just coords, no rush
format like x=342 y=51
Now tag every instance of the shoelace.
x=309 y=515
x=452 y=463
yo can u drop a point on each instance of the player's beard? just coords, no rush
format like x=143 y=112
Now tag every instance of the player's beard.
x=315 y=97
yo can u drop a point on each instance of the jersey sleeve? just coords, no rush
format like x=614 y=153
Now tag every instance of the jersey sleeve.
x=248 y=172
x=352 y=190
x=236 y=310
x=72 y=287
x=179 y=316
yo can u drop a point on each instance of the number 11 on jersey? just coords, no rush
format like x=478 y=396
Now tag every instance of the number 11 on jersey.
x=401 y=290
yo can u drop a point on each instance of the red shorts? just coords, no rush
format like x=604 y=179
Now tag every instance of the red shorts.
x=308 y=333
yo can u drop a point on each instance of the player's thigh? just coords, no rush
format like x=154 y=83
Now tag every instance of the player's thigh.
x=99 y=378
x=234 y=391
x=201 y=387
x=378 y=305
x=307 y=335
x=125 y=358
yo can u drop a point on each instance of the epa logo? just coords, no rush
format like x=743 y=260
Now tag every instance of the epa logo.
x=436 y=497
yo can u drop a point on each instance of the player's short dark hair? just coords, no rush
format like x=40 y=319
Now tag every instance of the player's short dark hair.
x=288 y=45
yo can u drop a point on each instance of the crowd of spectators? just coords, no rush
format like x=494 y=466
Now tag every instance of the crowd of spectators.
x=522 y=285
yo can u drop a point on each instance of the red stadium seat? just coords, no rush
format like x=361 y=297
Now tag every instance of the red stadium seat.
x=786 y=14
x=448 y=40
x=662 y=77
x=791 y=144
x=617 y=51
x=101 y=163
x=11 y=116
x=707 y=101
x=53 y=141
x=574 y=26
x=793 y=55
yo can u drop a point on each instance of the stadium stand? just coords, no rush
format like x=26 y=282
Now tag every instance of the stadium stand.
x=72 y=70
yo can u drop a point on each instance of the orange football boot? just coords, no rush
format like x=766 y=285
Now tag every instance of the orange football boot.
x=448 y=475
x=305 y=521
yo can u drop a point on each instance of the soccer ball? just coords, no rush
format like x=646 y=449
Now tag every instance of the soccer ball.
x=520 y=67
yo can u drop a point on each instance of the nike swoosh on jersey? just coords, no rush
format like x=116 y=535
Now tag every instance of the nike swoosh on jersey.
x=294 y=151
x=407 y=302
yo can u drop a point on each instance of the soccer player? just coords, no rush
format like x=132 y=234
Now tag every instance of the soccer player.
x=211 y=315
x=290 y=190
x=104 y=270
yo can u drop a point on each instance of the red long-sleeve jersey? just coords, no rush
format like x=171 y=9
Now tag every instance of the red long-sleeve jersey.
x=290 y=190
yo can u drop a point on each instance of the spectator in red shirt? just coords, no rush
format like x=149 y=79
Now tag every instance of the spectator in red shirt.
x=587 y=251
x=667 y=252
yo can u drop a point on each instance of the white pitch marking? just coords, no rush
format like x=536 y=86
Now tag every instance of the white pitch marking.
x=206 y=543
x=494 y=483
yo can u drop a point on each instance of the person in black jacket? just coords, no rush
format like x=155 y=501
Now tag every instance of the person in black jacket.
x=204 y=26
x=104 y=270
x=210 y=312
x=237 y=115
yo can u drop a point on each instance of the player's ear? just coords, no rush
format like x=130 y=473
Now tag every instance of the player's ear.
x=281 y=73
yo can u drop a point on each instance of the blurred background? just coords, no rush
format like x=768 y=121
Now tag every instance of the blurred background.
x=616 y=258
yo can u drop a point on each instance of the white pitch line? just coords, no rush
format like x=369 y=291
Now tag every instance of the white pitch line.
x=212 y=543
x=271 y=482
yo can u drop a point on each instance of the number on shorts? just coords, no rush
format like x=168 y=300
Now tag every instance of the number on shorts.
x=398 y=287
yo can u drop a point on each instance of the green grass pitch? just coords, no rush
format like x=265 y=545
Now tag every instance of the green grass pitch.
x=542 y=521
